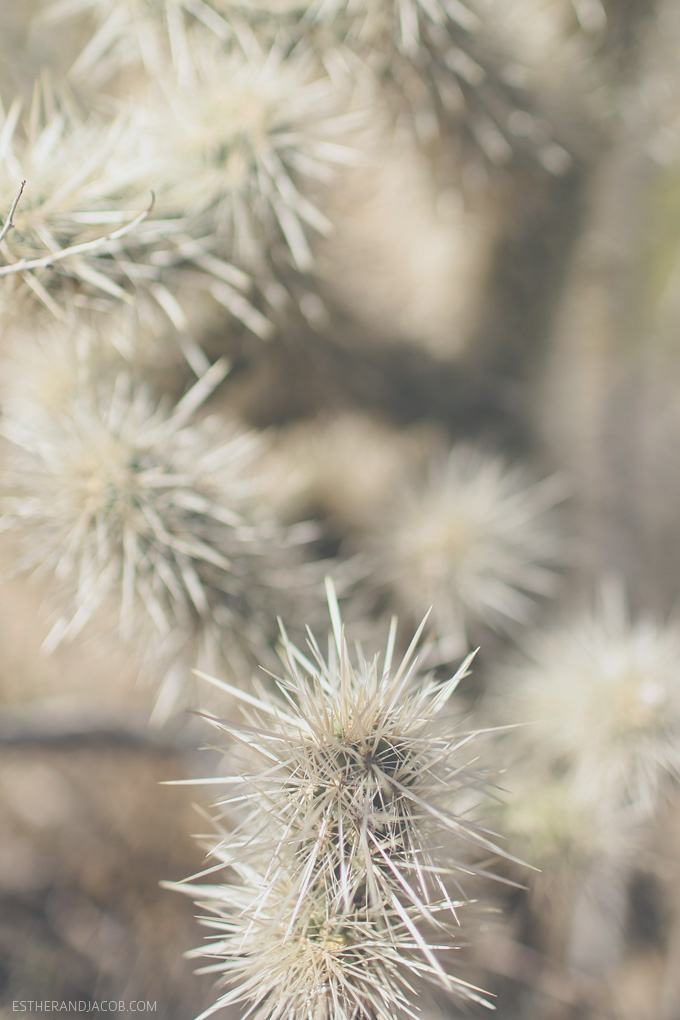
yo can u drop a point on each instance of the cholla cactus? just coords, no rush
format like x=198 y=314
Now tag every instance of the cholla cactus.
x=84 y=189
x=350 y=839
x=323 y=966
x=71 y=189
x=240 y=148
x=471 y=538
x=439 y=60
x=119 y=498
x=602 y=692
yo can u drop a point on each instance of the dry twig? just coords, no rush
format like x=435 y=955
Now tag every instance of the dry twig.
x=27 y=265
x=9 y=223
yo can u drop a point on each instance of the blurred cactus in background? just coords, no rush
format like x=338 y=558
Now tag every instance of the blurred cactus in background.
x=383 y=292
x=469 y=537
x=602 y=694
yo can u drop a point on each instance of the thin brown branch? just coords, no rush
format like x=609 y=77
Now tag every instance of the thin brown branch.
x=9 y=222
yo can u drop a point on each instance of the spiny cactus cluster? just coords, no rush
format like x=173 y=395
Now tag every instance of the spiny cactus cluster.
x=118 y=495
x=471 y=538
x=349 y=838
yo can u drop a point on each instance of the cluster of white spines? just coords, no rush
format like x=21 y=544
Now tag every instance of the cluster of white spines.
x=471 y=537
x=594 y=759
x=226 y=185
x=603 y=696
x=241 y=130
x=236 y=143
x=347 y=843
x=77 y=188
x=120 y=498
x=438 y=62
x=236 y=150
x=323 y=967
